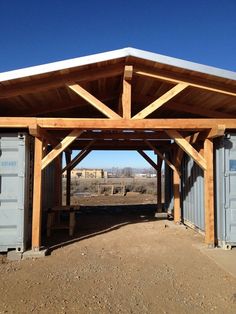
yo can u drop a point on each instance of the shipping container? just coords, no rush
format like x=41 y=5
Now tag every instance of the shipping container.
x=225 y=184
x=192 y=194
x=15 y=190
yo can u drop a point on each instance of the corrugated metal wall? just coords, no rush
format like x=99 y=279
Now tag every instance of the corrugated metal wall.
x=169 y=197
x=192 y=198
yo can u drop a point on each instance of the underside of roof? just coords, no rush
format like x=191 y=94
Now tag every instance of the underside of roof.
x=185 y=90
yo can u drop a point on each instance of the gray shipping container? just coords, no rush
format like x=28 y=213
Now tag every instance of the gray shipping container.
x=192 y=187
x=192 y=196
x=15 y=191
x=225 y=160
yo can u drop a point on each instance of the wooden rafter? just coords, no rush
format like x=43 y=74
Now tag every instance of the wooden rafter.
x=126 y=92
x=206 y=85
x=161 y=101
x=198 y=110
x=60 y=147
x=79 y=90
x=148 y=159
x=188 y=148
x=161 y=156
x=43 y=84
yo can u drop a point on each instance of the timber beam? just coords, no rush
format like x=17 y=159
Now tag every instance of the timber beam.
x=188 y=148
x=148 y=159
x=126 y=92
x=161 y=101
x=79 y=90
x=37 y=193
x=161 y=156
x=44 y=84
x=60 y=147
x=37 y=131
x=78 y=157
x=117 y=124
x=178 y=78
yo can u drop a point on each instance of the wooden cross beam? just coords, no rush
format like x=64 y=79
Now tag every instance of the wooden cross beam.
x=148 y=159
x=188 y=148
x=161 y=101
x=60 y=147
x=81 y=155
x=118 y=124
x=126 y=94
x=161 y=156
x=94 y=101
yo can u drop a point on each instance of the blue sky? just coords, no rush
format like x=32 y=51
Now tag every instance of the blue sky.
x=37 y=32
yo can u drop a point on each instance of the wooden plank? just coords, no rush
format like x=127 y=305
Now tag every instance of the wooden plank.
x=161 y=101
x=119 y=124
x=188 y=148
x=81 y=157
x=176 y=190
x=79 y=90
x=126 y=94
x=161 y=156
x=60 y=147
x=37 y=191
x=77 y=158
x=206 y=86
x=148 y=159
x=209 y=194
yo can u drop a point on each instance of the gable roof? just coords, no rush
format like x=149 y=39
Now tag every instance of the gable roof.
x=112 y=55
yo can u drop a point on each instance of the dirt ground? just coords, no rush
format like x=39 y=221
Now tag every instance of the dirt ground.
x=121 y=260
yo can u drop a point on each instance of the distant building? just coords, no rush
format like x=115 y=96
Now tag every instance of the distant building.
x=87 y=174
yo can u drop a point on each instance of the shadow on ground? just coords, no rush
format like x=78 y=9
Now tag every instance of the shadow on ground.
x=95 y=220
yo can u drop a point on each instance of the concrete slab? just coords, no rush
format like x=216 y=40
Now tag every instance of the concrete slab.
x=14 y=256
x=35 y=254
x=161 y=215
x=226 y=259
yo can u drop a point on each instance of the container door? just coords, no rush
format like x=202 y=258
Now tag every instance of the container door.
x=11 y=186
x=230 y=189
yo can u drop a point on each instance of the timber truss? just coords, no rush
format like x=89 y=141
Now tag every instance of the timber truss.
x=126 y=106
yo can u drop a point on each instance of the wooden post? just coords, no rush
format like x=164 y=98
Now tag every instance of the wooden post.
x=58 y=176
x=209 y=194
x=159 y=187
x=68 y=178
x=177 y=208
x=37 y=212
